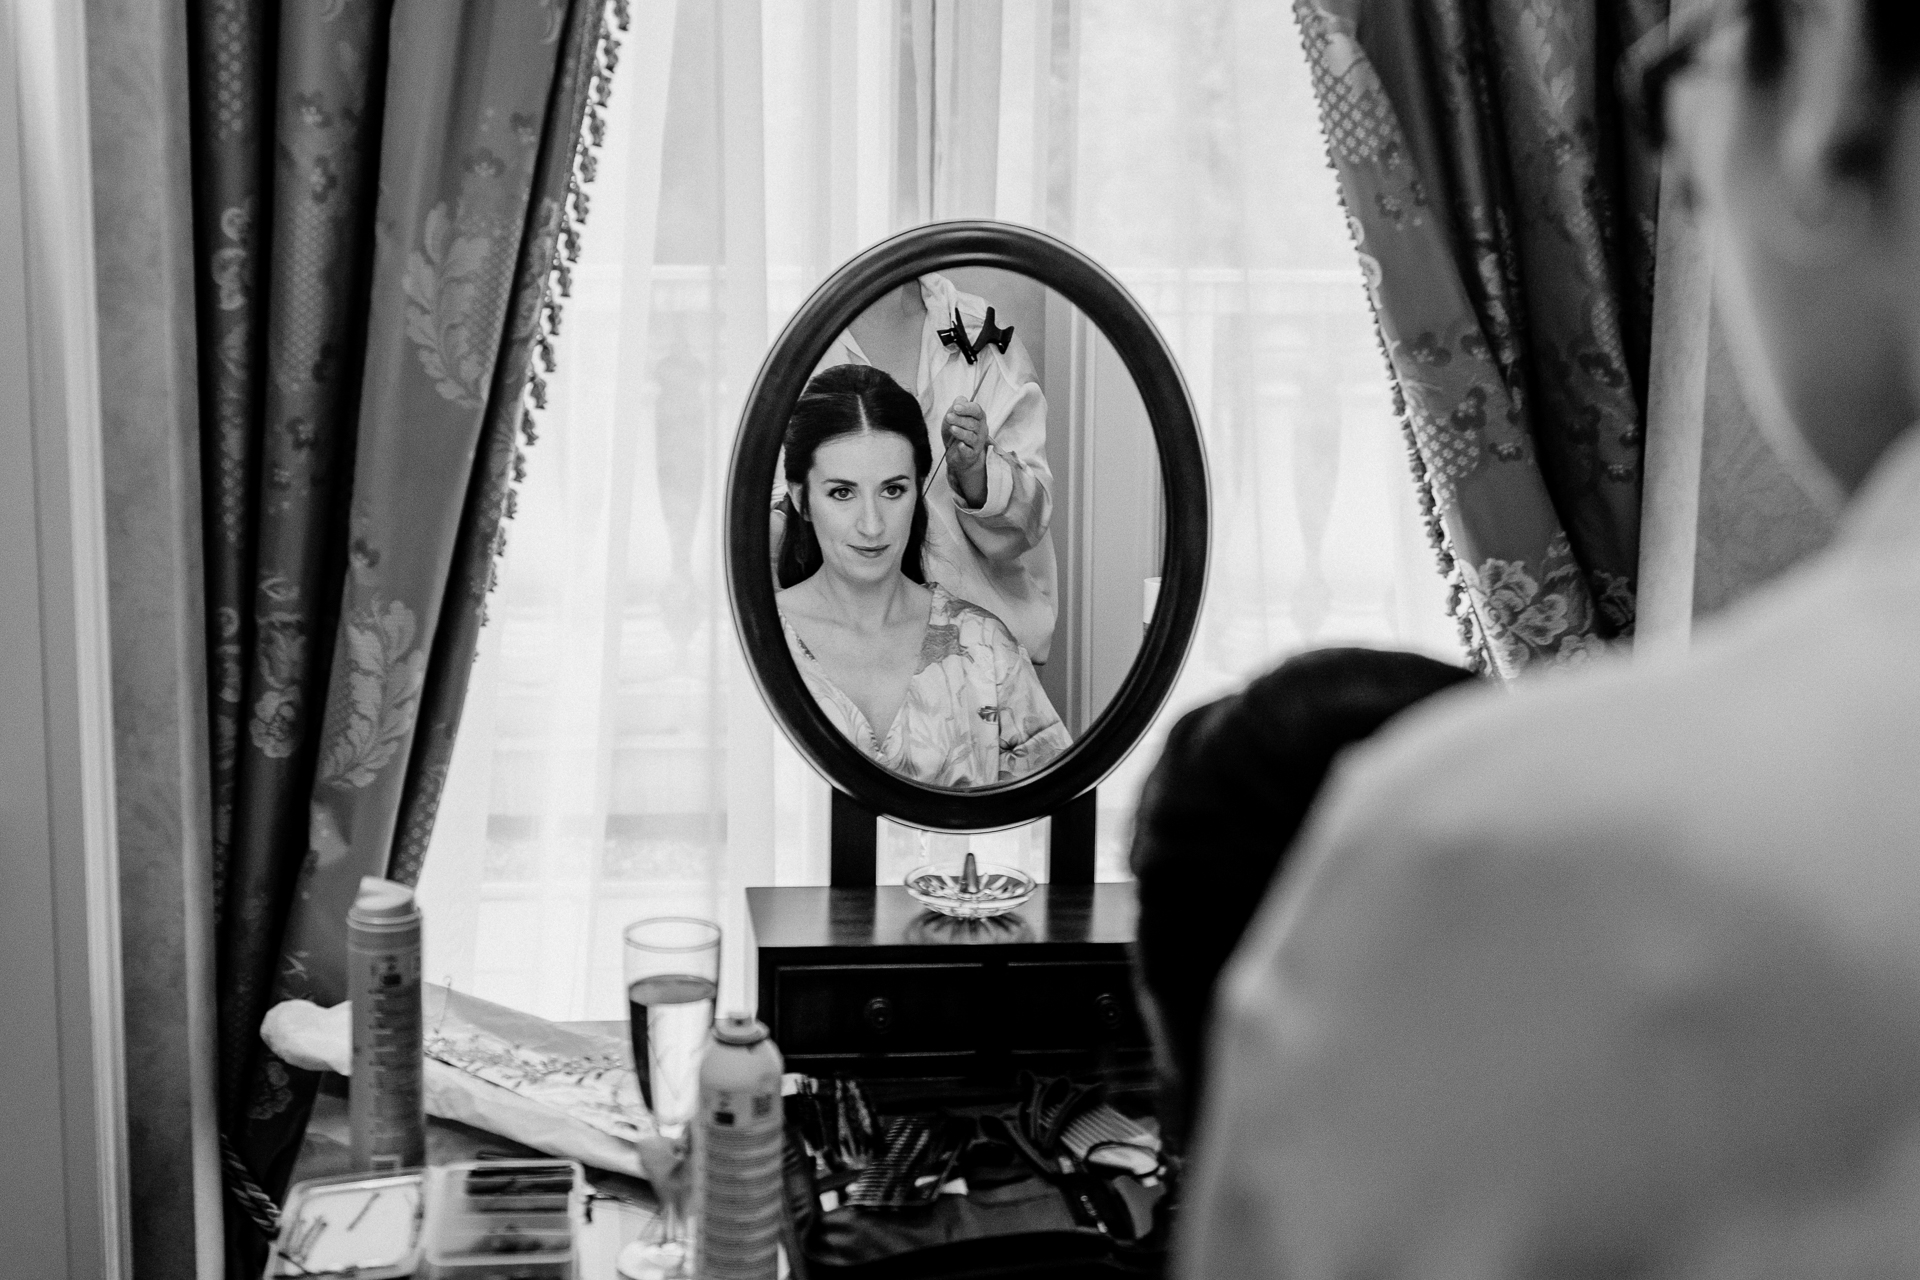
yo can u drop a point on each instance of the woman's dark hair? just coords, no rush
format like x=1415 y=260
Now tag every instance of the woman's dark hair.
x=846 y=400
x=1217 y=816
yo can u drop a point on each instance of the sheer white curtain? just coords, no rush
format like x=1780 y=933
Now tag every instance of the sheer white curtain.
x=615 y=759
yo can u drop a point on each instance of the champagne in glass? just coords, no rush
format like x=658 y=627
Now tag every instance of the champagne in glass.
x=672 y=970
x=670 y=1015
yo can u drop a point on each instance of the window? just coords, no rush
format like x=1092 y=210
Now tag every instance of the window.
x=614 y=759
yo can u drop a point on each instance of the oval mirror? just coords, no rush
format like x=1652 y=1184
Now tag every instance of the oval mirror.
x=967 y=526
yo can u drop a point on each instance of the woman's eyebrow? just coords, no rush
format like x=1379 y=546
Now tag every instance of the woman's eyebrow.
x=902 y=478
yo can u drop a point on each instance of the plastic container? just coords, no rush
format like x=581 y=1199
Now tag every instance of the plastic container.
x=366 y=1228
x=737 y=1149
x=385 y=1101
x=502 y=1220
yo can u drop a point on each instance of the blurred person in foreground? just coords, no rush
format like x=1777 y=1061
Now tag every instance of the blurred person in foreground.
x=1216 y=818
x=1620 y=975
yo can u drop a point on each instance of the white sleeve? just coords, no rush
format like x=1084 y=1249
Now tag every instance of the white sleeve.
x=1019 y=502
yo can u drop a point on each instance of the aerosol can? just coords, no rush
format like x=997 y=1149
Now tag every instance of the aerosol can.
x=385 y=1103
x=736 y=1155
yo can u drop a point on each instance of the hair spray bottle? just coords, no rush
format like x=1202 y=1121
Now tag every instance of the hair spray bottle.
x=737 y=1148
x=385 y=1103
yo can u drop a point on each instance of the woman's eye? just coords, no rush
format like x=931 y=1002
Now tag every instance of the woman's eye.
x=840 y=492
x=895 y=491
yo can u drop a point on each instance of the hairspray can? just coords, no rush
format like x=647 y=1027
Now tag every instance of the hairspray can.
x=736 y=1155
x=383 y=981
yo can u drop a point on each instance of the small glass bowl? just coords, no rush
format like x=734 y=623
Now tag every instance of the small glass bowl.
x=1001 y=889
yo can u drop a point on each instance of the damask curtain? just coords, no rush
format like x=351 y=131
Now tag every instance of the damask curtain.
x=380 y=190
x=1504 y=217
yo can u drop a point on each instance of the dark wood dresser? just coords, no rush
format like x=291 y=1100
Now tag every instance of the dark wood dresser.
x=862 y=981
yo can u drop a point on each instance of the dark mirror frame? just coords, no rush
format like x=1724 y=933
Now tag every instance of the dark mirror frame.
x=1183 y=471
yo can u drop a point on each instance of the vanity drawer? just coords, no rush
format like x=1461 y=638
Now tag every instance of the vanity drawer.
x=903 y=1008
x=1072 y=1006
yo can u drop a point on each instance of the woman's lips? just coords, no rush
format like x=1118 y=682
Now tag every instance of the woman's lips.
x=871 y=553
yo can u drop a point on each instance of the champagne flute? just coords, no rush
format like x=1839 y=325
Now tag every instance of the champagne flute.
x=672 y=970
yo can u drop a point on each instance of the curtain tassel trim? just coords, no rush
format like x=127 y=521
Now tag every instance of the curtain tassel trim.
x=1459 y=598
x=585 y=167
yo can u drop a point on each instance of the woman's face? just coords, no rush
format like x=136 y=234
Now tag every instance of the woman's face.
x=860 y=497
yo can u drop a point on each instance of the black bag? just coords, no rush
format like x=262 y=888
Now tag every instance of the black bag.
x=1030 y=1208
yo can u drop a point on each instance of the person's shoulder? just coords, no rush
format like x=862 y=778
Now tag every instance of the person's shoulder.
x=976 y=625
x=947 y=296
x=1426 y=835
x=1807 y=664
x=922 y=597
x=1725 y=756
x=801 y=602
x=961 y=611
x=1592 y=746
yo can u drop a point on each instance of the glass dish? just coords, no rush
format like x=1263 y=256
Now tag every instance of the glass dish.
x=972 y=891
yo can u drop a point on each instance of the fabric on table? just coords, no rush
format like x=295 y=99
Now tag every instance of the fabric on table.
x=1613 y=975
x=1504 y=216
x=559 y=1090
x=974 y=714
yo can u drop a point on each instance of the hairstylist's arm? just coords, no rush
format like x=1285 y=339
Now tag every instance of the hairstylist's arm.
x=1010 y=510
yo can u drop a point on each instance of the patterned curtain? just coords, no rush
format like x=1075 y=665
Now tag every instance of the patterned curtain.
x=1504 y=217
x=383 y=191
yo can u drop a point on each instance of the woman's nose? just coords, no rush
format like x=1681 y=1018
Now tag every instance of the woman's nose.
x=869 y=524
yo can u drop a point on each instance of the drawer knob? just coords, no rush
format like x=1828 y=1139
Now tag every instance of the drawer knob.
x=1106 y=1010
x=880 y=1015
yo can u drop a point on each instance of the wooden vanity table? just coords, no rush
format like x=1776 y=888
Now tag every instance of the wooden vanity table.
x=865 y=982
x=858 y=979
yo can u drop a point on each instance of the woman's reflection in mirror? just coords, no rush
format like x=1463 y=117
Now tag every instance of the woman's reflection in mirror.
x=926 y=683
x=991 y=500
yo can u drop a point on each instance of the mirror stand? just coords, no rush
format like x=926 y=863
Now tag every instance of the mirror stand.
x=856 y=978
x=853 y=842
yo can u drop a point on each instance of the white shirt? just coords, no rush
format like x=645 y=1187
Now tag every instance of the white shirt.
x=998 y=555
x=1620 y=969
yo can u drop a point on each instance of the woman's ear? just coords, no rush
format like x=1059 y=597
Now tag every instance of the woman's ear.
x=797 y=496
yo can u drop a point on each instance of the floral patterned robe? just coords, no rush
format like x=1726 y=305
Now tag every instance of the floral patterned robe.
x=974 y=714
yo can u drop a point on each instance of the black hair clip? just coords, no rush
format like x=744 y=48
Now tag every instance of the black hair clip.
x=990 y=336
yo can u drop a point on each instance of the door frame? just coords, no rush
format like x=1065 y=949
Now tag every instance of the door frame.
x=64 y=1196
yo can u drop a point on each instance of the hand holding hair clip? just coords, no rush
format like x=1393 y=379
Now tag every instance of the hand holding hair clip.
x=955 y=336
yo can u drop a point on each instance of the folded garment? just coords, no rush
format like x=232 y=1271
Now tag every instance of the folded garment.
x=1102 y=1123
x=567 y=1093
